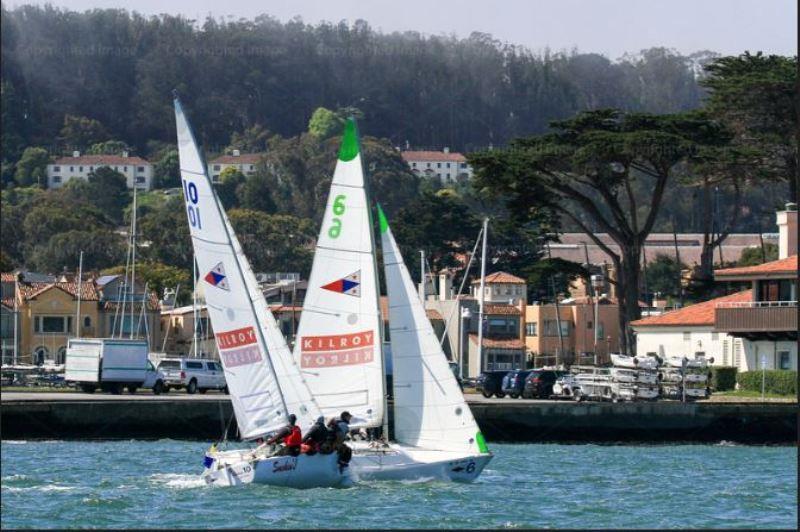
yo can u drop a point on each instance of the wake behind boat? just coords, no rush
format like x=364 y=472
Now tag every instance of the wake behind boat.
x=266 y=387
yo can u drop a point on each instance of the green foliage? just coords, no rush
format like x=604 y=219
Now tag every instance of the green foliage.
x=252 y=140
x=167 y=230
x=107 y=190
x=80 y=132
x=100 y=246
x=663 y=275
x=158 y=276
x=274 y=242
x=756 y=256
x=109 y=147
x=545 y=275
x=723 y=378
x=230 y=180
x=325 y=123
x=166 y=171
x=255 y=193
x=32 y=167
x=781 y=382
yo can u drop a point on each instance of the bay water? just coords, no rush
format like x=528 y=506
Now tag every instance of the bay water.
x=145 y=484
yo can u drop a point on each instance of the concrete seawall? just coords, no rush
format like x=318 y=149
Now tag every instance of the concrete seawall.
x=534 y=421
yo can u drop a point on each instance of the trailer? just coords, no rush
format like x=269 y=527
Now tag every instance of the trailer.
x=109 y=364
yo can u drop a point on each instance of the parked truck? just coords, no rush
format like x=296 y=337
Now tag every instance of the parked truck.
x=110 y=364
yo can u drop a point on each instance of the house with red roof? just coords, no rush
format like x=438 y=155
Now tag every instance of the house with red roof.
x=245 y=163
x=750 y=329
x=445 y=166
x=136 y=170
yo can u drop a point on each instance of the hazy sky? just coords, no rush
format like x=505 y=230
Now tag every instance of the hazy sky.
x=611 y=27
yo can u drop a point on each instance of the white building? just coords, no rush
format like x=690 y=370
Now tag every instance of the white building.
x=443 y=165
x=244 y=162
x=135 y=169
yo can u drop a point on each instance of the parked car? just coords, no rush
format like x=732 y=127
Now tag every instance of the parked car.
x=514 y=382
x=194 y=374
x=490 y=383
x=539 y=383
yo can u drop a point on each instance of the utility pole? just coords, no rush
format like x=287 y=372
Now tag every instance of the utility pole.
x=560 y=352
x=16 y=319
x=482 y=296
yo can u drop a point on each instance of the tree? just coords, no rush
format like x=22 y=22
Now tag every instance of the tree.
x=274 y=242
x=255 y=193
x=325 y=123
x=109 y=147
x=167 y=229
x=80 y=132
x=108 y=191
x=252 y=140
x=585 y=171
x=158 y=276
x=663 y=275
x=756 y=96
x=167 y=171
x=759 y=255
x=101 y=247
x=230 y=180
x=32 y=167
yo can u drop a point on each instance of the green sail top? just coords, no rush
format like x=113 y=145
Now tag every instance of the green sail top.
x=349 y=148
x=383 y=223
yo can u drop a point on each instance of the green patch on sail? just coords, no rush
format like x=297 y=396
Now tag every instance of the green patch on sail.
x=383 y=223
x=481 y=441
x=349 y=148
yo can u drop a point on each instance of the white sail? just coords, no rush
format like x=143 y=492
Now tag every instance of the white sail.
x=338 y=344
x=265 y=386
x=429 y=407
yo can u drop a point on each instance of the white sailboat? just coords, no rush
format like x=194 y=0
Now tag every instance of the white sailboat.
x=435 y=434
x=265 y=384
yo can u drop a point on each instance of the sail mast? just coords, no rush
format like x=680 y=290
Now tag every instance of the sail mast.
x=80 y=288
x=133 y=263
x=482 y=297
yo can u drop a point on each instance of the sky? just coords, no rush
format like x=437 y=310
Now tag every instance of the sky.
x=610 y=27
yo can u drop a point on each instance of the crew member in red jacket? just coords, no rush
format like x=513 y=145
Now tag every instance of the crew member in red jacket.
x=291 y=437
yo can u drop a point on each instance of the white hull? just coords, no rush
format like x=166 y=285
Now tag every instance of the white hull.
x=398 y=462
x=233 y=468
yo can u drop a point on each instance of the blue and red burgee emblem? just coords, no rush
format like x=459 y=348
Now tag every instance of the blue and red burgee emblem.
x=216 y=277
x=350 y=285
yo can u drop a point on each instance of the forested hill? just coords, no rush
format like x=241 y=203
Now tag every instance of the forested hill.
x=119 y=68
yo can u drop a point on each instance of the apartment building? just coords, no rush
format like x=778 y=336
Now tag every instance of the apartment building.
x=445 y=166
x=137 y=171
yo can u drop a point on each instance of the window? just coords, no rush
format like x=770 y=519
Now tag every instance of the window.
x=252 y=167
x=39 y=354
x=52 y=324
x=140 y=169
x=448 y=165
x=71 y=168
x=140 y=179
x=215 y=178
x=80 y=168
x=463 y=165
x=87 y=321
x=783 y=360
x=56 y=168
x=502 y=326
x=778 y=290
x=737 y=353
x=601 y=330
x=124 y=168
x=687 y=336
x=61 y=355
x=588 y=324
x=216 y=167
x=56 y=179
x=429 y=165
x=150 y=366
x=413 y=165
x=438 y=175
x=725 y=347
x=698 y=354
x=551 y=328
x=530 y=328
x=438 y=165
x=194 y=365
x=211 y=366
x=169 y=364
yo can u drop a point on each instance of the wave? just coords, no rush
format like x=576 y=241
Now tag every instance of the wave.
x=178 y=481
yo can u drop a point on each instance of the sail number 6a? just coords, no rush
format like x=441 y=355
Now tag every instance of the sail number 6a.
x=338 y=209
x=190 y=192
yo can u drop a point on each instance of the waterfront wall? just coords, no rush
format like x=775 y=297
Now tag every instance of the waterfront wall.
x=655 y=422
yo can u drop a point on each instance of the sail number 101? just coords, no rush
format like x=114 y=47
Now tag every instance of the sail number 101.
x=190 y=192
x=338 y=209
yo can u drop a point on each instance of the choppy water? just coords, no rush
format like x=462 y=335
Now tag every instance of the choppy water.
x=155 y=484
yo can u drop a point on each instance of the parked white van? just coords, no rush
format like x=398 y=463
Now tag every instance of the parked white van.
x=194 y=374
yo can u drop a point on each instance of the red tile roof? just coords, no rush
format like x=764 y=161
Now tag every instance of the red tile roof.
x=501 y=277
x=88 y=290
x=244 y=158
x=7 y=277
x=511 y=343
x=698 y=314
x=502 y=309
x=782 y=266
x=433 y=156
x=101 y=160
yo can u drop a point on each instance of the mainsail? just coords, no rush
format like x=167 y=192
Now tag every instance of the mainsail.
x=429 y=407
x=264 y=383
x=338 y=343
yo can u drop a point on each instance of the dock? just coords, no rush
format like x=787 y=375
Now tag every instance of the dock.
x=77 y=416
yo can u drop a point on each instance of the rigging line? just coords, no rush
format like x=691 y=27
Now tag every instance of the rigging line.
x=461 y=288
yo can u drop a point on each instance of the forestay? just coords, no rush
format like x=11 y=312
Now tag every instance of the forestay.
x=338 y=343
x=429 y=407
x=264 y=383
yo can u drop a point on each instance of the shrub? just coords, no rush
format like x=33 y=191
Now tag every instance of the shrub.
x=776 y=381
x=723 y=378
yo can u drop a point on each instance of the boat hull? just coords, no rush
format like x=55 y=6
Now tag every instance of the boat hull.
x=398 y=462
x=235 y=468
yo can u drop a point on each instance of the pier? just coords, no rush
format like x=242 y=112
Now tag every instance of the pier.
x=179 y=416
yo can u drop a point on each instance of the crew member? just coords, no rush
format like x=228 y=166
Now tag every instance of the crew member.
x=341 y=427
x=315 y=437
x=291 y=437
